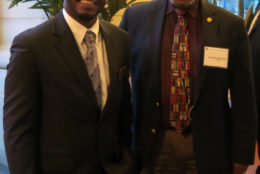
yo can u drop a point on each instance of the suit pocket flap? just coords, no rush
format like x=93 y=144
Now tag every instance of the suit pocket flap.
x=58 y=164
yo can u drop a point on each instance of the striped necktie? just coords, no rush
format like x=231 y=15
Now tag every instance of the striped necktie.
x=180 y=76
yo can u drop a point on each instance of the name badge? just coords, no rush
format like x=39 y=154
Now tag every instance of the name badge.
x=216 y=57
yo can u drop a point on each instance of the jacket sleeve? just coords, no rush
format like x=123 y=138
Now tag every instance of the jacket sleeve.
x=21 y=110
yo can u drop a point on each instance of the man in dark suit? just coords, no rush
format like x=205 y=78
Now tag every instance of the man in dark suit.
x=183 y=119
x=67 y=98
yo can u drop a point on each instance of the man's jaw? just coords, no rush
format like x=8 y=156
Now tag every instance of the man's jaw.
x=182 y=6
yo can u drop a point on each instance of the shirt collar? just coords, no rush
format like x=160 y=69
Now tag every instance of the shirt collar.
x=78 y=29
x=192 y=11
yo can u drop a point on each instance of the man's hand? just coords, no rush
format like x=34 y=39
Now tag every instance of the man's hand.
x=239 y=168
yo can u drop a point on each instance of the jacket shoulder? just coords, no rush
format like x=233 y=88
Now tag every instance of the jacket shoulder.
x=114 y=30
x=35 y=34
x=140 y=9
x=136 y=16
x=227 y=15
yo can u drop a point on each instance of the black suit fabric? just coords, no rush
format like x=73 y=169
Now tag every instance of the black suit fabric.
x=221 y=135
x=254 y=37
x=52 y=122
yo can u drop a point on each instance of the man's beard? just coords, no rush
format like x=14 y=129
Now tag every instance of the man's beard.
x=86 y=17
x=182 y=6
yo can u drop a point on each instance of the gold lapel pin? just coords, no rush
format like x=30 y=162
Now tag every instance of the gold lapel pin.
x=209 y=19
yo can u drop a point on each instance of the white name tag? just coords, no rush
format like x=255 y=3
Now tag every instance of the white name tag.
x=216 y=57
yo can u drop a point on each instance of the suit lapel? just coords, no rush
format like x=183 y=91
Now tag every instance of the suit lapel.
x=209 y=36
x=157 y=16
x=69 y=51
x=154 y=29
x=112 y=57
x=257 y=22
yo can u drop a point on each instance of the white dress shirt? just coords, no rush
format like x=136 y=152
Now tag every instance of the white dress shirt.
x=79 y=31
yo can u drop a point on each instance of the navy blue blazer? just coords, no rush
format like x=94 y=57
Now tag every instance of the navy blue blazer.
x=221 y=135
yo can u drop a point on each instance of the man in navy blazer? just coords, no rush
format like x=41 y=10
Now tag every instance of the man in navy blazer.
x=53 y=122
x=223 y=137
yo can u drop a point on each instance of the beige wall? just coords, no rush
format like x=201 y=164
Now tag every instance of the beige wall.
x=15 y=20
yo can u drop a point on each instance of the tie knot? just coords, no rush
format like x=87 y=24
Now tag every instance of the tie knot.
x=180 y=12
x=90 y=37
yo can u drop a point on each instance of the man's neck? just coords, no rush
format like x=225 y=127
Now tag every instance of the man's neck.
x=192 y=10
x=88 y=23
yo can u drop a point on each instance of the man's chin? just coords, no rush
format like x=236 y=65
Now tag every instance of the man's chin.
x=84 y=17
x=182 y=6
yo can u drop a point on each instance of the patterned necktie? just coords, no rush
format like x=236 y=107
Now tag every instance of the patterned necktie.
x=92 y=64
x=180 y=77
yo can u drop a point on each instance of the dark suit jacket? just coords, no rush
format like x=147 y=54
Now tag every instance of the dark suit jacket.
x=254 y=37
x=221 y=134
x=52 y=122
x=250 y=16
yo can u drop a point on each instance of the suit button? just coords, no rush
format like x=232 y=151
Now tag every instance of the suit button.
x=157 y=104
x=153 y=131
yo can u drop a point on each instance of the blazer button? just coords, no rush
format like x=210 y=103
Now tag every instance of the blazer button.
x=153 y=131
x=157 y=104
